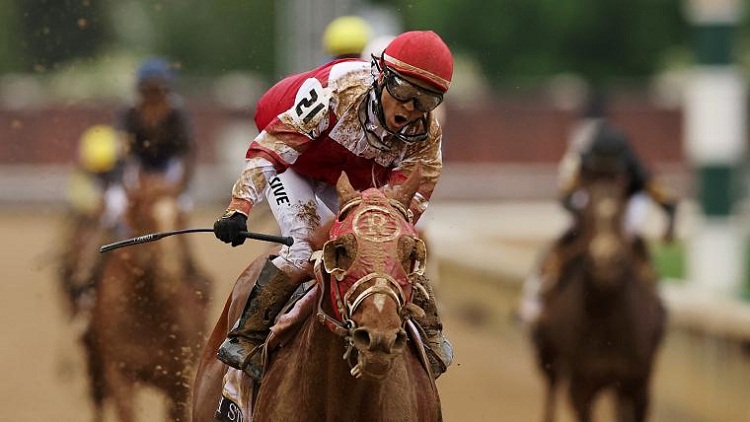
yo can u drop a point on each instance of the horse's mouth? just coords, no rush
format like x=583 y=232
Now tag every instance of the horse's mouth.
x=373 y=365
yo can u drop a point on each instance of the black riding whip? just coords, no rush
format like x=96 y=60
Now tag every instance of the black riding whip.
x=156 y=236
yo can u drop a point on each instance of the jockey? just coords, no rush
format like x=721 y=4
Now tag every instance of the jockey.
x=91 y=187
x=346 y=37
x=596 y=134
x=372 y=120
x=158 y=129
x=597 y=143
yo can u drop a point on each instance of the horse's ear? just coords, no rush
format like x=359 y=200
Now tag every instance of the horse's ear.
x=345 y=189
x=408 y=189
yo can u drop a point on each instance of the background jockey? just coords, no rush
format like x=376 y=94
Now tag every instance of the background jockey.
x=372 y=120
x=346 y=37
x=158 y=129
x=158 y=135
x=595 y=131
x=92 y=184
x=595 y=137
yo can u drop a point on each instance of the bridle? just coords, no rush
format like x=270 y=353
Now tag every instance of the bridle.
x=368 y=284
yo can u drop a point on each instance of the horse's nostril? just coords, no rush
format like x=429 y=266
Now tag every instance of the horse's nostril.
x=400 y=342
x=361 y=337
x=387 y=342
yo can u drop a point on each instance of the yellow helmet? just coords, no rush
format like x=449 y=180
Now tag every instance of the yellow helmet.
x=98 y=150
x=346 y=35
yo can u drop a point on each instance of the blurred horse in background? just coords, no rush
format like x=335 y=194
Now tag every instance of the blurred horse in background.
x=603 y=321
x=79 y=265
x=148 y=321
x=360 y=306
x=79 y=262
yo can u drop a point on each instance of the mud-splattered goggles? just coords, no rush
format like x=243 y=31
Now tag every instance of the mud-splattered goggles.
x=405 y=91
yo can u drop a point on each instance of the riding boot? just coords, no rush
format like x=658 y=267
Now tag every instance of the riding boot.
x=439 y=350
x=243 y=348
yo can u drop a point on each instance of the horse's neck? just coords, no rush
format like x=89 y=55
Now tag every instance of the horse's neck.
x=166 y=257
x=312 y=363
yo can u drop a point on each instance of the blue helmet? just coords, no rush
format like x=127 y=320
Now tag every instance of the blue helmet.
x=155 y=68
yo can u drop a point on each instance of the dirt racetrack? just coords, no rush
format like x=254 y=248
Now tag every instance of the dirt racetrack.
x=492 y=379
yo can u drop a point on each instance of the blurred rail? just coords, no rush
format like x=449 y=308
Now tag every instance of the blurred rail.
x=34 y=184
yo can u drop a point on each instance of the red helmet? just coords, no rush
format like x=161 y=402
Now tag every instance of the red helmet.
x=421 y=55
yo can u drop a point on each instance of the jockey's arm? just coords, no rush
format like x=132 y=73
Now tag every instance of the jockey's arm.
x=187 y=148
x=666 y=199
x=569 y=194
x=189 y=159
x=644 y=180
x=275 y=149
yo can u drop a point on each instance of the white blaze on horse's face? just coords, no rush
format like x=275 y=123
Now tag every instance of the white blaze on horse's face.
x=380 y=298
x=607 y=247
x=607 y=208
x=165 y=212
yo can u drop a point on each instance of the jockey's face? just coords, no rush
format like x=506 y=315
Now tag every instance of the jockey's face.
x=153 y=91
x=399 y=113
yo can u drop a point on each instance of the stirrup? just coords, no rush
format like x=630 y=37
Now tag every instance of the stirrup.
x=254 y=366
x=231 y=352
x=440 y=353
x=234 y=352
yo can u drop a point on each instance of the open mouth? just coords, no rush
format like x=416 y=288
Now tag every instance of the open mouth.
x=373 y=366
x=399 y=120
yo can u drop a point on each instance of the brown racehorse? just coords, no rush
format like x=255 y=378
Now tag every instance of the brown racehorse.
x=148 y=321
x=602 y=323
x=360 y=310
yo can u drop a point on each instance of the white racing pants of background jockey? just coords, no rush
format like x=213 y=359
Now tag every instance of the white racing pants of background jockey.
x=115 y=201
x=635 y=214
x=531 y=306
x=300 y=206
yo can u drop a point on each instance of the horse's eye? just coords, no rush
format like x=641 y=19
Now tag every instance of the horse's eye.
x=405 y=251
x=339 y=254
x=413 y=253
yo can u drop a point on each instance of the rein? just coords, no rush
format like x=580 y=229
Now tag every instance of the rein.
x=338 y=328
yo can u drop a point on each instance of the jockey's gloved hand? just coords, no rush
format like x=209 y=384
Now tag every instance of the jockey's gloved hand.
x=228 y=227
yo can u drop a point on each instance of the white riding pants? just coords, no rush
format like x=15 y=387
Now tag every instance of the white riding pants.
x=300 y=206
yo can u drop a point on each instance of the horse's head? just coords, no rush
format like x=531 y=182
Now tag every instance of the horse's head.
x=153 y=203
x=372 y=254
x=608 y=251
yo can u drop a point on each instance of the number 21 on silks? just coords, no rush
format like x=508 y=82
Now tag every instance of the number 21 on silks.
x=310 y=104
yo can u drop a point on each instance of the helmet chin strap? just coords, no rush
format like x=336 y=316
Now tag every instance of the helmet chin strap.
x=375 y=125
